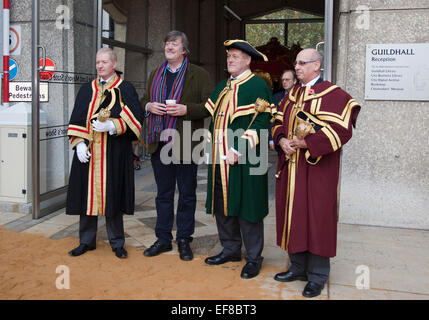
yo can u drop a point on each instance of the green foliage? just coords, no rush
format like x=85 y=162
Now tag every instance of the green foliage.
x=307 y=34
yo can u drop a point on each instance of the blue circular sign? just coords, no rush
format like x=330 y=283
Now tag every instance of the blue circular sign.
x=13 y=69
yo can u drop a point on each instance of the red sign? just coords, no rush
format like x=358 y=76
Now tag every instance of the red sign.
x=48 y=72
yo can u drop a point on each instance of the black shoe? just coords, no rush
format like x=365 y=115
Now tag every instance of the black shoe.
x=157 y=248
x=222 y=258
x=80 y=250
x=120 y=252
x=250 y=270
x=185 y=251
x=312 y=289
x=289 y=276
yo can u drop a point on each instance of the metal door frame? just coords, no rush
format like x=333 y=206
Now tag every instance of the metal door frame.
x=35 y=114
x=328 y=41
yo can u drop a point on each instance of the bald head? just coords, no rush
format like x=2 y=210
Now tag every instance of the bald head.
x=312 y=53
x=308 y=65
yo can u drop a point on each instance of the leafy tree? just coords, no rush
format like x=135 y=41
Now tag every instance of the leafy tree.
x=307 y=34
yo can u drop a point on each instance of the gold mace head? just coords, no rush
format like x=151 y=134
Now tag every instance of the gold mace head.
x=261 y=105
x=303 y=129
x=103 y=115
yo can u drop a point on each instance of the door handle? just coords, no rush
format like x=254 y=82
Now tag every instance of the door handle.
x=43 y=57
x=317 y=49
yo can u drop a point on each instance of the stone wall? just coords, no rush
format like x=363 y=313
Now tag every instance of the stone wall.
x=385 y=175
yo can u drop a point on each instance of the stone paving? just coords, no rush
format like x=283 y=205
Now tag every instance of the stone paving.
x=396 y=259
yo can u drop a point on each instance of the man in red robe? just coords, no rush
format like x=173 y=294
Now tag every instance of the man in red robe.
x=308 y=172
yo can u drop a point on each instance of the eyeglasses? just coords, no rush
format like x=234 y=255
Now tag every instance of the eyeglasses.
x=301 y=63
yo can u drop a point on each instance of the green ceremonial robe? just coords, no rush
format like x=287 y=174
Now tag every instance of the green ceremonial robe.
x=232 y=107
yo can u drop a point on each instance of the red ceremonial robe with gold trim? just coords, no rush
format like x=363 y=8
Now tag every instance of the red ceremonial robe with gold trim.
x=306 y=190
x=105 y=184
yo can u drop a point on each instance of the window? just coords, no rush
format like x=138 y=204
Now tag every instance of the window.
x=288 y=26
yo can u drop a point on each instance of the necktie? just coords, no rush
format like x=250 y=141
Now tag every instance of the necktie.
x=103 y=82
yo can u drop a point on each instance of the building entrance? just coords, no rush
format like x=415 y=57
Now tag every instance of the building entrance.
x=69 y=35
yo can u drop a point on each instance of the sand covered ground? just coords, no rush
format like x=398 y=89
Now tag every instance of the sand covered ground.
x=28 y=270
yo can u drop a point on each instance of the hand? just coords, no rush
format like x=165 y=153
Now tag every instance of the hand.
x=81 y=152
x=105 y=126
x=231 y=157
x=298 y=143
x=177 y=110
x=272 y=146
x=157 y=108
x=285 y=144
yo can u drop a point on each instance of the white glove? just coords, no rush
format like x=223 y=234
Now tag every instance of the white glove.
x=82 y=155
x=105 y=126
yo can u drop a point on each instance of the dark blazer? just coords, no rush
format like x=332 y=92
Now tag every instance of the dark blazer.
x=277 y=97
x=196 y=90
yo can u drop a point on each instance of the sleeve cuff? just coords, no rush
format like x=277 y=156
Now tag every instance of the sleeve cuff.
x=147 y=114
x=279 y=137
x=120 y=127
x=252 y=137
x=74 y=141
x=236 y=152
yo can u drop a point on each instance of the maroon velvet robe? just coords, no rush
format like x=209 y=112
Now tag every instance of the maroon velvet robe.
x=306 y=190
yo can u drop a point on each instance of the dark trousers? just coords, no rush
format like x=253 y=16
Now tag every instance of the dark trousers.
x=166 y=177
x=233 y=231
x=114 y=226
x=316 y=267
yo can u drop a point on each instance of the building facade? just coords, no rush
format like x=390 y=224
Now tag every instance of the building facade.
x=384 y=175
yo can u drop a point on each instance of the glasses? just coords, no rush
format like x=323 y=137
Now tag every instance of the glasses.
x=302 y=63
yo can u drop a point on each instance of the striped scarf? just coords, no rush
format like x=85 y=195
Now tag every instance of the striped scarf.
x=158 y=93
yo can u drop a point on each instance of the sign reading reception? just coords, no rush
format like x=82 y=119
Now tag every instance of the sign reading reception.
x=397 y=72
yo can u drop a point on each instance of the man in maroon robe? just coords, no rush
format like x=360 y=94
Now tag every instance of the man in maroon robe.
x=308 y=172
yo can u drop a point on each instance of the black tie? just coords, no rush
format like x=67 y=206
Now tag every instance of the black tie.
x=103 y=83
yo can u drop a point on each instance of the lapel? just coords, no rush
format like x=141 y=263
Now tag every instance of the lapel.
x=188 y=79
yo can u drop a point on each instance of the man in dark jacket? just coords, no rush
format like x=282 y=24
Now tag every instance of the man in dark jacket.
x=170 y=131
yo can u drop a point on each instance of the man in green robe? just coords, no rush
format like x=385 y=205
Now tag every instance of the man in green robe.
x=237 y=192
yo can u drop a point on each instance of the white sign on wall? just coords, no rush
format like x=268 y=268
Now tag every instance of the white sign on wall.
x=22 y=91
x=397 y=72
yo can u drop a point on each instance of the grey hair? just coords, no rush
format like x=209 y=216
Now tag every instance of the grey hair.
x=318 y=56
x=173 y=35
x=113 y=55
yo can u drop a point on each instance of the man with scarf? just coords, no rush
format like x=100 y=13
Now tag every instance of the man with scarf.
x=169 y=137
x=106 y=118
x=237 y=195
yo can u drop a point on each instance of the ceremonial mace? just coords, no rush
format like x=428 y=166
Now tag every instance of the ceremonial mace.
x=303 y=129
x=103 y=115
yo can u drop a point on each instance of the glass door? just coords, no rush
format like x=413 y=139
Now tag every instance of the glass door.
x=66 y=36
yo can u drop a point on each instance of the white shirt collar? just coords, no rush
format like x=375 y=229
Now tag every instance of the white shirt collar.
x=171 y=70
x=101 y=79
x=312 y=82
x=239 y=76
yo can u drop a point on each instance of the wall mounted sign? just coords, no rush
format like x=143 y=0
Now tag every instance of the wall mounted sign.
x=397 y=72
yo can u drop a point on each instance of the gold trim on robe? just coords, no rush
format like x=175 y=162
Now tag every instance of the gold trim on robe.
x=292 y=166
x=97 y=179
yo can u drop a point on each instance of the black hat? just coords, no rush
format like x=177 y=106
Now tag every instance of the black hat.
x=245 y=47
